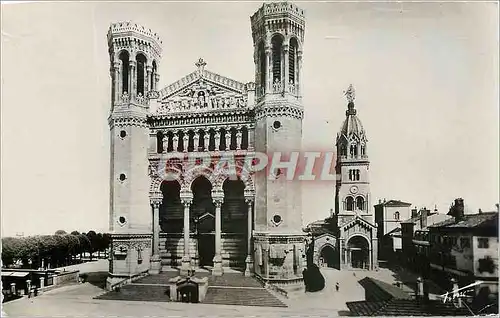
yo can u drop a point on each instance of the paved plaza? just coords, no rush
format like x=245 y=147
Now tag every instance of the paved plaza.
x=77 y=300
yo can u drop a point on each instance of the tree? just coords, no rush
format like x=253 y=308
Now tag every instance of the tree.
x=60 y=232
x=93 y=242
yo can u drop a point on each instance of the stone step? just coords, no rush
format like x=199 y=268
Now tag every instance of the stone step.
x=242 y=297
x=138 y=293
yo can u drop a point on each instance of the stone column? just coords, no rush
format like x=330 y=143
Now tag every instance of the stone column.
x=13 y=288
x=217 y=140
x=251 y=136
x=228 y=138
x=176 y=142
x=186 y=258
x=206 y=140
x=147 y=78
x=196 y=140
x=155 y=258
x=249 y=259
x=286 y=68
x=269 y=70
x=239 y=135
x=217 y=270
x=185 y=141
x=156 y=80
x=132 y=76
x=165 y=142
x=117 y=81
x=298 y=74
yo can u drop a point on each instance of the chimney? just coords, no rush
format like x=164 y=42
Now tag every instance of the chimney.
x=423 y=218
x=414 y=212
x=479 y=211
x=379 y=201
x=459 y=209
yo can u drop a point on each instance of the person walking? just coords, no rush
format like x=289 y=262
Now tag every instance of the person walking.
x=337 y=286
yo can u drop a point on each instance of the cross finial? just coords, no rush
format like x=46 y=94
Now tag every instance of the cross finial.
x=200 y=64
x=350 y=94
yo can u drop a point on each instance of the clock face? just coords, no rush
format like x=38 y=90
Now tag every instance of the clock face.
x=354 y=189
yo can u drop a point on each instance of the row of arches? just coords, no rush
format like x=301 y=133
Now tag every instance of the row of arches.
x=275 y=76
x=351 y=204
x=203 y=219
x=355 y=255
x=203 y=140
x=138 y=75
x=355 y=150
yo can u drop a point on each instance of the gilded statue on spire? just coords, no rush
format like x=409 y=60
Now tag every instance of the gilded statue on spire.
x=350 y=94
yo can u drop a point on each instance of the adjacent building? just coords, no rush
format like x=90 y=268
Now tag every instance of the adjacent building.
x=465 y=247
x=388 y=217
x=415 y=239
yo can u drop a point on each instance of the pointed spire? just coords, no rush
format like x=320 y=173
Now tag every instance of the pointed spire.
x=350 y=94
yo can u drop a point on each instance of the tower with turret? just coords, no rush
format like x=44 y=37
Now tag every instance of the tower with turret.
x=134 y=53
x=278 y=36
x=353 y=186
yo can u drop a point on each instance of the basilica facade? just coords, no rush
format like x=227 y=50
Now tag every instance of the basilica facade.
x=201 y=217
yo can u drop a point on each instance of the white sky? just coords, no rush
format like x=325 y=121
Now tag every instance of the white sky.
x=426 y=79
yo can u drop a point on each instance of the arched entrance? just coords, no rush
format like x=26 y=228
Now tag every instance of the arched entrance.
x=171 y=210
x=328 y=256
x=358 y=250
x=202 y=213
x=234 y=215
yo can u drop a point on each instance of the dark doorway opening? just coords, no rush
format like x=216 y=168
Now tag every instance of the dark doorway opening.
x=329 y=257
x=206 y=249
x=187 y=292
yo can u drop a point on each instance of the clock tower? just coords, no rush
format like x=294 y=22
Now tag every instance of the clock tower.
x=353 y=187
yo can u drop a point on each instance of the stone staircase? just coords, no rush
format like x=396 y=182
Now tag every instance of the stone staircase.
x=236 y=289
x=242 y=296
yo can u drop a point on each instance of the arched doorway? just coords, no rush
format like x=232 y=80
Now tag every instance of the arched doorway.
x=171 y=210
x=358 y=250
x=234 y=222
x=171 y=221
x=202 y=213
x=328 y=256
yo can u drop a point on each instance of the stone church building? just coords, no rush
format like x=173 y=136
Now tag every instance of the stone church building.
x=203 y=218
x=347 y=239
x=165 y=213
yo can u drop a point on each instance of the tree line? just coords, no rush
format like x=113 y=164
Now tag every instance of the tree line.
x=50 y=251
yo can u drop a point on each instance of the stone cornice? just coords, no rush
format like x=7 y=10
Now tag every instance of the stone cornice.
x=283 y=110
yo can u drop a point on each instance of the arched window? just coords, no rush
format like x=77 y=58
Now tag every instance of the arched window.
x=396 y=216
x=159 y=142
x=277 y=43
x=362 y=150
x=141 y=67
x=357 y=175
x=349 y=204
x=152 y=78
x=124 y=58
x=343 y=150
x=262 y=67
x=292 y=62
x=360 y=203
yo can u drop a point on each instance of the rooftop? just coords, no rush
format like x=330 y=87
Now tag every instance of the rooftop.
x=481 y=220
x=394 y=203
